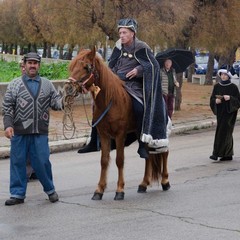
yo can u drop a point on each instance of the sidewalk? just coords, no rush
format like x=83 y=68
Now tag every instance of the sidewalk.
x=60 y=145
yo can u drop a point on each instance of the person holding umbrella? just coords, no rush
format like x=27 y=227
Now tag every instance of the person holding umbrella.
x=172 y=61
x=169 y=84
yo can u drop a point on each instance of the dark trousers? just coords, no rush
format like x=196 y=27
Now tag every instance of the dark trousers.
x=169 y=100
x=138 y=113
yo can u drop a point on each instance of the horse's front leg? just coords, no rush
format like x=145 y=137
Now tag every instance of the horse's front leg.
x=120 y=164
x=105 y=157
x=165 y=182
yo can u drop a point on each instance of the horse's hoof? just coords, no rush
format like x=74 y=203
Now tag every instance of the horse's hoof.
x=142 y=189
x=166 y=186
x=97 y=196
x=119 y=196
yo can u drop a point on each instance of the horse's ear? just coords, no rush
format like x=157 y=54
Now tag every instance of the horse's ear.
x=93 y=53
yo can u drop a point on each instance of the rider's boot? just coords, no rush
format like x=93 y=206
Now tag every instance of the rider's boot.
x=93 y=145
x=142 y=151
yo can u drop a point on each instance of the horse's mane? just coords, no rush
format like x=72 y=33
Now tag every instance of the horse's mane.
x=108 y=81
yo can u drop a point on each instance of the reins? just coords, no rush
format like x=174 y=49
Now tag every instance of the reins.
x=102 y=115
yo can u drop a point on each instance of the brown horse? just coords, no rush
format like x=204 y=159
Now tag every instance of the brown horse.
x=113 y=105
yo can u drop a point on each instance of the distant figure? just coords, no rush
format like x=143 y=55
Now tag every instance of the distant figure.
x=224 y=102
x=169 y=84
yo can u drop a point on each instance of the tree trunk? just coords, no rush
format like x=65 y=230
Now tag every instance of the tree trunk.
x=49 y=53
x=191 y=71
x=44 y=49
x=61 y=51
x=210 y=67
x=178 y=98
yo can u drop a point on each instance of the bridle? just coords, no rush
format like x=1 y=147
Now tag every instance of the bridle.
x=83 y=81
x=81 y=86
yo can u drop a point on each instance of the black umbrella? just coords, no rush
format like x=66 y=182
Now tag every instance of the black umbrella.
x=181 y=58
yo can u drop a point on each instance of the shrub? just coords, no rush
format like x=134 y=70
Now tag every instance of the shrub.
x=52 y=71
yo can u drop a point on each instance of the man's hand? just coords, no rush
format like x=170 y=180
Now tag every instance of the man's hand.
x=9 y=132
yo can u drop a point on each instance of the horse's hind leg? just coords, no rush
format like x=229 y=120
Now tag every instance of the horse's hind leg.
x=142 y=188
x=165 y=182
x=105 y=157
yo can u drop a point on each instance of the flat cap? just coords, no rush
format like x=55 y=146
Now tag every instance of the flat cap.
x=32 y=56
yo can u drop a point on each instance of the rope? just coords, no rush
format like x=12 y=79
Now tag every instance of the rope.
x=85 y=110
x=68 y=122
x=68 y=100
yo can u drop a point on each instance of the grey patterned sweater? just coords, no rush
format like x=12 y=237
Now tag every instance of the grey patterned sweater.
x=26 y=113
x=165 y=81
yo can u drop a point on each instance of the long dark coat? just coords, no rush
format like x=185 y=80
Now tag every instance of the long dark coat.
x=154 y=129
x=226 y=113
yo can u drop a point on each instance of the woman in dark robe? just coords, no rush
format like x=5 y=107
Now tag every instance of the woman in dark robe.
x=224 y=102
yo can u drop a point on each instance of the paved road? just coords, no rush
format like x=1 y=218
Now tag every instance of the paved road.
x=202 y=204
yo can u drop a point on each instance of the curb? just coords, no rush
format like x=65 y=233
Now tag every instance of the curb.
x=194 y=126
x=55 y=146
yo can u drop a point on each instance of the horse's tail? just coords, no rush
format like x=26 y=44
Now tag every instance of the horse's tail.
x=158 y=166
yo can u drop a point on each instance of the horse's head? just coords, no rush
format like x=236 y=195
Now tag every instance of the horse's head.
x=82 y=70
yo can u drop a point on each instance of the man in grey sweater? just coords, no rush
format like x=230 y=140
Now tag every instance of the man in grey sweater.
x=26 y=119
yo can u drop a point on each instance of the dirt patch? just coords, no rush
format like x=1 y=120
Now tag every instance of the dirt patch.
x=195 y=103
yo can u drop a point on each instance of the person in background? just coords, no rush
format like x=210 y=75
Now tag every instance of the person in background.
x=169 y=84
x=26 y=119
x=22 y=67
x=224 y=102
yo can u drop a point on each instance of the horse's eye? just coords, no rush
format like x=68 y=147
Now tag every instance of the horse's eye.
x=88 y=68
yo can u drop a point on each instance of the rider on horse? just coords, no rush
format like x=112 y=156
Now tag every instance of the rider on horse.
x=133 y=61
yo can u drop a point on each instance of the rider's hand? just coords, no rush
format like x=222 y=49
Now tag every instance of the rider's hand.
x=132 y=73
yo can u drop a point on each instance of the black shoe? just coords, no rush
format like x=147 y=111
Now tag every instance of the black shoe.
x=53 y=197
x=229 y=158
x=33 y=176
x=89 y=148
x=213 y=157
x=14 y=201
